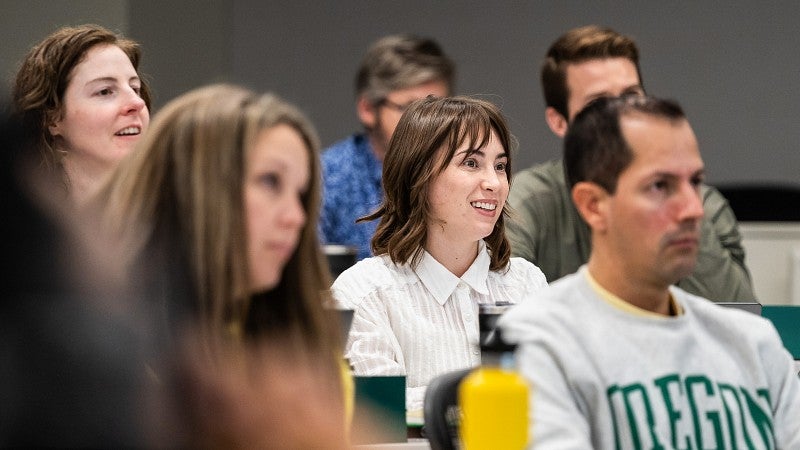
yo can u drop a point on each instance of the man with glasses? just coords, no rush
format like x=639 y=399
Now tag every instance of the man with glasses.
x=395 y=71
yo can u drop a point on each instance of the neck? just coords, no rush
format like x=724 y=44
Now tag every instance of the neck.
x=455 y=257
x=83 y=179
x=625 y=284
x=377 y=144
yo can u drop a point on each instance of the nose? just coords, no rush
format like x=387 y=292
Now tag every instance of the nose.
x=294 y=215
x=691 y=204
x=491 y=180
x=133 y=102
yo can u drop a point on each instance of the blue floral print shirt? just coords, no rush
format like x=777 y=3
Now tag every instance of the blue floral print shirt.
x=351 y=189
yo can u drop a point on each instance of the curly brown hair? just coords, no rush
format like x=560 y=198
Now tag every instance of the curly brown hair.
x=43 y=76
x=428 y=126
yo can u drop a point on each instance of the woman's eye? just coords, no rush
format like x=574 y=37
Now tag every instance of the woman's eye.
x=500 y=167
x=137 y=89
x=270 y=180
x=469 y=162
x=104 y=92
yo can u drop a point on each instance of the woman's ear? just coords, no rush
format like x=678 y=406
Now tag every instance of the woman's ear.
x=54 y=126
x=591 y=201
x=367 y=112
x=558 y=124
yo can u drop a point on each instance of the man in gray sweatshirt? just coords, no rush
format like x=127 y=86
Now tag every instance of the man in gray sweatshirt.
x=616 y=355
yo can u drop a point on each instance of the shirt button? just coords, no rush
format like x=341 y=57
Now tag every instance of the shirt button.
x=476 y=352
x=468 y=318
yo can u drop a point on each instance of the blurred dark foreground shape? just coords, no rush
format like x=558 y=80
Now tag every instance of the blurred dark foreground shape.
x=71 y=372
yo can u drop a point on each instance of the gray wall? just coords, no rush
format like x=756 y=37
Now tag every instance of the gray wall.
x=25 y=22
x=731 y=64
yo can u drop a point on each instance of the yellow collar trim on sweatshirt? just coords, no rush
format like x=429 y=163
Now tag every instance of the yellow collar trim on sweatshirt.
x=619 y=303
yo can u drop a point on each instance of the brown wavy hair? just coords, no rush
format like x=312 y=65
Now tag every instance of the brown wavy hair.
x=45 y=72
x=428 y=126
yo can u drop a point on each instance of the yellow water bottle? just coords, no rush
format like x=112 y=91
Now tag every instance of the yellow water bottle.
x=494 y=401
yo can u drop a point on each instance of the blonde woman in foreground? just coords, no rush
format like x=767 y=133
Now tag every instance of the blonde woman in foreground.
x=216 y=215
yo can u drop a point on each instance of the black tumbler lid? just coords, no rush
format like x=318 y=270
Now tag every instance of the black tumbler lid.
x=496 y=344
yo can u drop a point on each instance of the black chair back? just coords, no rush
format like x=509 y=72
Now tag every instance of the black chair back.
x=442 y=416
x=767 y=202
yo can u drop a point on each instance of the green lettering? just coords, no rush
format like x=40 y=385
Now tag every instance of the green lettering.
x=723 y=388
x=712 y=416
x=609 y=394
x=648 y=410
x=762 y=419
x=673 y=414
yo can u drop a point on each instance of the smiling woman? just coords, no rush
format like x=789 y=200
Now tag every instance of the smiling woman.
x=441 y=246
x=79 y=91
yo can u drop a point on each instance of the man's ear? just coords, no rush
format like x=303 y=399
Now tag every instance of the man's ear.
x=590 y=199
x=367 y=112
x=558 y=124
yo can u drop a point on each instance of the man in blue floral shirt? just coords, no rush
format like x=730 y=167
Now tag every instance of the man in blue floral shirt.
x=395 y=71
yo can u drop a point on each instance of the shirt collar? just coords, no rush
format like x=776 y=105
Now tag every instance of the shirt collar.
x=441 y=283
x=624 y=305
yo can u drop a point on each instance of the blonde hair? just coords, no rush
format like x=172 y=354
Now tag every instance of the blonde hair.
x=177 y=202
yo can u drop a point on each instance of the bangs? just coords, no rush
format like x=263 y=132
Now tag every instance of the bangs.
x=472 y=127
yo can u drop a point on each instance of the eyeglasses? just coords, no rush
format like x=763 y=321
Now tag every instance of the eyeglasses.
x=395 y=106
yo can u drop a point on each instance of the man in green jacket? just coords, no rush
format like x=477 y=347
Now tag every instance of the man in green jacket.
x=584 y=64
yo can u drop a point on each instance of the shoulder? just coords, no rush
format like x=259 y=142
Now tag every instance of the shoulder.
x=344 y=145
x=561 y=298
x=542 y=183
x=368 y=278
x=725 y=321
x=713 y=199
x=337 y=166
x=553 y=316
x=523 y=272
x=548 y=174
x=340 y=151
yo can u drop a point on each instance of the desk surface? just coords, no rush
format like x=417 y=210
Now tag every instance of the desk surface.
x=412 y=444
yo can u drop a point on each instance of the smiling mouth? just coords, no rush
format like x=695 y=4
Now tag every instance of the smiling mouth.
x=129 y=131
x=484 y=205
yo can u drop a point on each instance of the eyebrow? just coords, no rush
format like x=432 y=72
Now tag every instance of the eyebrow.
x=472 y=151
x=698 y=173
x=110 y=79
x=628 y=90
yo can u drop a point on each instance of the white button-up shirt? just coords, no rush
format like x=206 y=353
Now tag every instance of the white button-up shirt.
x=423 y=322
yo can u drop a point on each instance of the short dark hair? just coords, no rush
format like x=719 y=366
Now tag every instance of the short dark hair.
x=576 y=46
x=594 y=147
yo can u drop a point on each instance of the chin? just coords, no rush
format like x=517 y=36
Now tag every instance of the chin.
x=682 y=271
x=266 y=282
